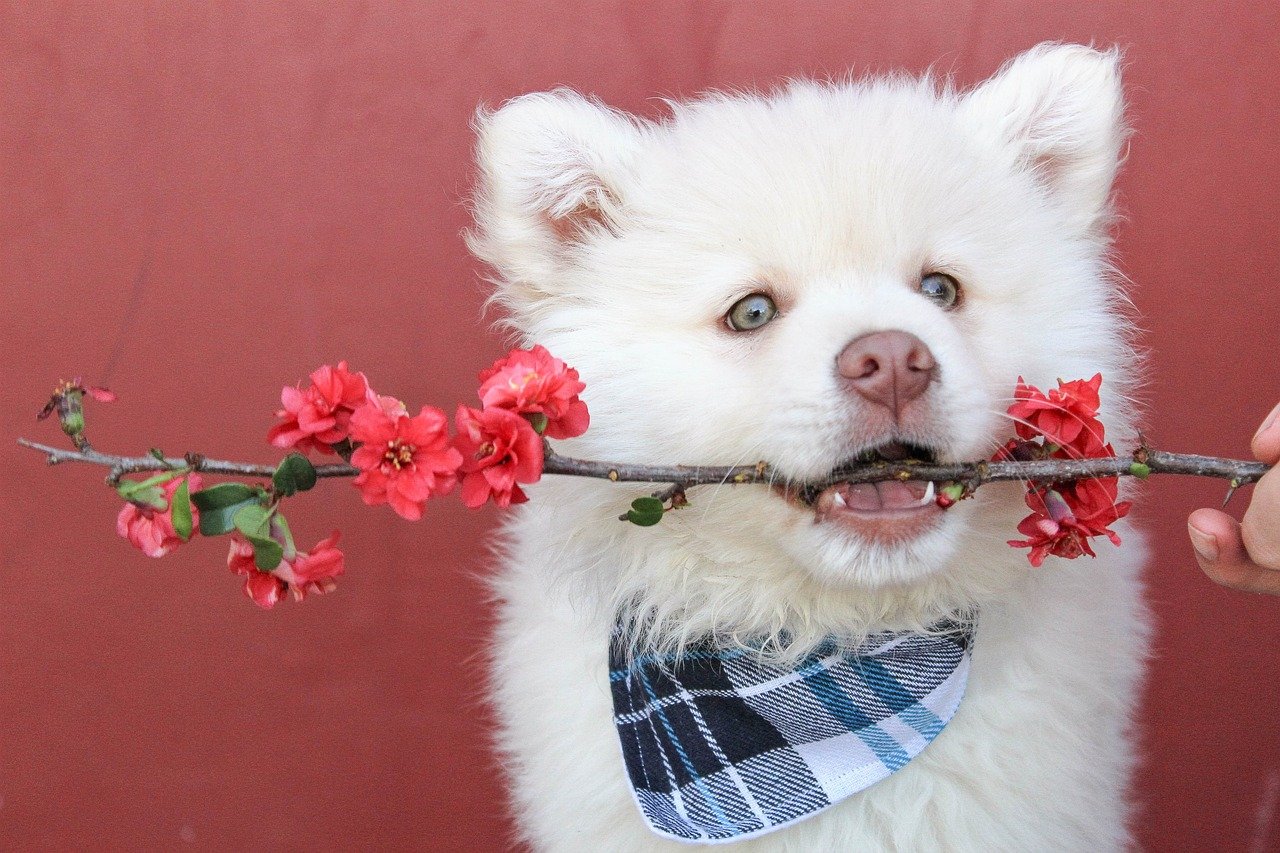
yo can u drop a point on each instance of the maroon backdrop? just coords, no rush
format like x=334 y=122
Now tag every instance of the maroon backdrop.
x=200 y=202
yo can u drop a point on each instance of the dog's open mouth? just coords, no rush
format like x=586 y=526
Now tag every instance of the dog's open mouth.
x=886 y=510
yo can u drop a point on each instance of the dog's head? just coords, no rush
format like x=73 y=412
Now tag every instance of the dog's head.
x=831 y=272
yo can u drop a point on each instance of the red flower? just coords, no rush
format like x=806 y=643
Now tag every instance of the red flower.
x=319 y=416
x=1094 y=503
x=1065 y=517
x=1067 y=416
x=391 y=407
x=403 y=460
x=150 y=529
x=264 y=588
x=315 y=570
x=307 y=572
x=535 y=382
x=499 y=449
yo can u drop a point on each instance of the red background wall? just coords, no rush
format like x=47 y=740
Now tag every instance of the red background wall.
x=200 y=202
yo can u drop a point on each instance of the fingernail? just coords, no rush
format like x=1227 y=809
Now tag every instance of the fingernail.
x=1271 y=419
x=1206 y=546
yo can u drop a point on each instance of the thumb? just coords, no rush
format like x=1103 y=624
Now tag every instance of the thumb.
x=1219 y=548
x=1266 y=442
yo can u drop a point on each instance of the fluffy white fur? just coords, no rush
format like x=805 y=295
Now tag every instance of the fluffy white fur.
x=620 y=244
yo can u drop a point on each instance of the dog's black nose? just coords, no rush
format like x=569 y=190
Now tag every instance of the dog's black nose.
x=889 y=368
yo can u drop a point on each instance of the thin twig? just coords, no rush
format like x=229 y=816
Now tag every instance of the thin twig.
x=972 y=474
x=121 y=465
x=681 y=477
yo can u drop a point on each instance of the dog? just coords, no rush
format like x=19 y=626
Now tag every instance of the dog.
x=828 y=272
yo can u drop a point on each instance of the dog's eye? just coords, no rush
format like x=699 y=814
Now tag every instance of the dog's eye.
x=751 y=312
x=941 y=288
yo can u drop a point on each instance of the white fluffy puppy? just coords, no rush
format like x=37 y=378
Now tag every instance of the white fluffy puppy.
x=801 y=277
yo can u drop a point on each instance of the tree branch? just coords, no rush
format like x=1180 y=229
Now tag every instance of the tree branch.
x=681 y=477
x=121 y=465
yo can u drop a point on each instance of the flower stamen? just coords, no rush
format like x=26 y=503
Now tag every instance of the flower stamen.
x=398 y=455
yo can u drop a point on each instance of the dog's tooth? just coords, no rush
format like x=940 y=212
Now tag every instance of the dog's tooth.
x=928 y=495
x=838 y=500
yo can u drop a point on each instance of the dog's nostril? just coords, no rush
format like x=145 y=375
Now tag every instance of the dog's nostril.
x=920 y=359
x=867 y=368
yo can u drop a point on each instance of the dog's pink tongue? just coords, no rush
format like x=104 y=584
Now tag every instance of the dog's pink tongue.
x=872 y=497
x=861 y=496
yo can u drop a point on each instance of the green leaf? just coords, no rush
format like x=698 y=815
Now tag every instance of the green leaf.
x=280 y=531
x=295 y=473
x=223 y=495
x=645 y=512
x=157 y=453
x=267 y=553
x=131 y=489
x=1140 y=470
x=641 y=519
x=142 y=495
x=215 y=522
x=253 y=520
x=220 y=504
x=182 y=511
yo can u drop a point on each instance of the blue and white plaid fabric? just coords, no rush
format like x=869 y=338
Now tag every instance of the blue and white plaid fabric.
x=720 y=747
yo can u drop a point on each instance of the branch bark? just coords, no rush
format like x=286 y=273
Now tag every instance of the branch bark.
x=971 y=475
x=121 y=465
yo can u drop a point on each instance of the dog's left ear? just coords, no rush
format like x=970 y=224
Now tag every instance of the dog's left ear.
x=555 y=170
x=1058 y=110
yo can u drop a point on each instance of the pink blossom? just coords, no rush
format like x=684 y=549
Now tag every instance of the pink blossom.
x=1065 y=517
x=535 y=382
x=308 y=572
x=150 y=529
x=499 y=449
x=314 y=571
x=319 y=415
x=403 y=460
x=1066 y=416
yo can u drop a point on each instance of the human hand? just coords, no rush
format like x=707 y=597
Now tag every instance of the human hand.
x=1245 y=555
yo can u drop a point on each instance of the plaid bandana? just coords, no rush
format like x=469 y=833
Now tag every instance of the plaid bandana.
x=722 y=747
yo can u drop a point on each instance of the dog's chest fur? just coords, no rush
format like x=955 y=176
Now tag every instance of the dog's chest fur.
x=1037 y=757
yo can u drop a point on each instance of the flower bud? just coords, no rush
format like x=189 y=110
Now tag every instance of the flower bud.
x=73 y=422
x=538 y=420
x=1057 y=507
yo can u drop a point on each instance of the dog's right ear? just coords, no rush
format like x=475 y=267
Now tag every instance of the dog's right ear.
x=1058 y=109
x=554 y=169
